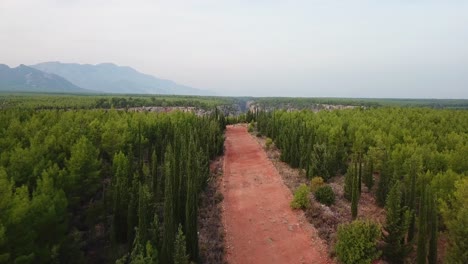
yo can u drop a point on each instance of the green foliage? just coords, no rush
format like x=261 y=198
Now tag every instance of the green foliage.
x=251 y=127
x=325 y=195
x=385 y=182
x=368 y=177
x=83 y=167
x=396 y=226
x=348 y=183
x=75 y=175
x=316 y=183
x=357 y=241
x=455 y=215
x=355 y=196
x=427 y=228
x=268 y=143
x=180 y=252
x=301 y=198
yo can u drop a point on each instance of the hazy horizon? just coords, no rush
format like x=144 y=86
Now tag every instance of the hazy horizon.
x=317 y=48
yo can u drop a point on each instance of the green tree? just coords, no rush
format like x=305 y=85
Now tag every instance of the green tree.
x=368 y=176
x=455 y=215
x=169 y=221
x=396 y=226
x=384 y=182
x=357 y=242
x=180 y=252
x=120 y=197
x=84 y=171
x=191 y=207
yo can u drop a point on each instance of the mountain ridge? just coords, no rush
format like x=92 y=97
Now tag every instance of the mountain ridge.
x=111 y=78
x=27 y=79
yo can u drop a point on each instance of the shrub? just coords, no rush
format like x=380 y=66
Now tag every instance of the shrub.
x=325 y=195
x=268 y=143
x=251 y=127
x=316 y=183
x=301 y=198
x=356 y=242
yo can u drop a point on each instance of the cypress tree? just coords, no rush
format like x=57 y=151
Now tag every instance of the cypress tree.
x=368 y=173
x=154 y=176
x=193 y=168
x=348 y=185
x=132 y=219
x=360 y=171
x=396 y=226
x=355 y=197
x=384 y=182
x=180 y=252
x=169 y=223
x=422 y=228
x=120 y=198
x=433 y=230
x=143 y=212
x=411 y=206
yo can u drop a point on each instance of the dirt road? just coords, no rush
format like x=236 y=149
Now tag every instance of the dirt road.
x=260 y=226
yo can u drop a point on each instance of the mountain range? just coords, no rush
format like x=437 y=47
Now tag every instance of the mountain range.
x=87 y=78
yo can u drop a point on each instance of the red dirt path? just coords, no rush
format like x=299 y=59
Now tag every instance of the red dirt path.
x=260 y=225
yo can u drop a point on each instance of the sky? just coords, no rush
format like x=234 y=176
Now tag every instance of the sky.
x=309 y=48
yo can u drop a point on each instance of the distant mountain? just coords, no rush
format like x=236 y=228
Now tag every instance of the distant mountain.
x=27 y=79
x=110 y=78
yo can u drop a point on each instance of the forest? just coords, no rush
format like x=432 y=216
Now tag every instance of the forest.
x=413 y=160
x=85 y=180
x=103 y=186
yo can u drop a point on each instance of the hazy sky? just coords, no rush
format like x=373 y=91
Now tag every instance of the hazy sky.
x=345 y=48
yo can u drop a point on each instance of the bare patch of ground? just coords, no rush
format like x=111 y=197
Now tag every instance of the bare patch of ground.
x=260 y=225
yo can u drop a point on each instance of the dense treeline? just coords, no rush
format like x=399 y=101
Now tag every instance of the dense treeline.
x=416 y=156
x=308 y=103
x=95 y=185
x=93 y=101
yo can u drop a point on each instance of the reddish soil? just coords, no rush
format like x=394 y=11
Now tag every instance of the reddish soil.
x=260 y=225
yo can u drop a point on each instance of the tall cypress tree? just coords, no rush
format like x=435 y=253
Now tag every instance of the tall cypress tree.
x=355 y=197
x=154 y=176
x=180 y=252
x=433 y=230
x=384 y=182
x=193 y=169
x=422 y=227
x=120 y=198
x=396 y=226
x=368 y=176
x=132 y=212
x=169 y=221
x=348 y=185
x=143 y=212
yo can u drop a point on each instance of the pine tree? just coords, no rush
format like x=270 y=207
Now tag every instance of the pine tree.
x=396 y=226
x=180 y=252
